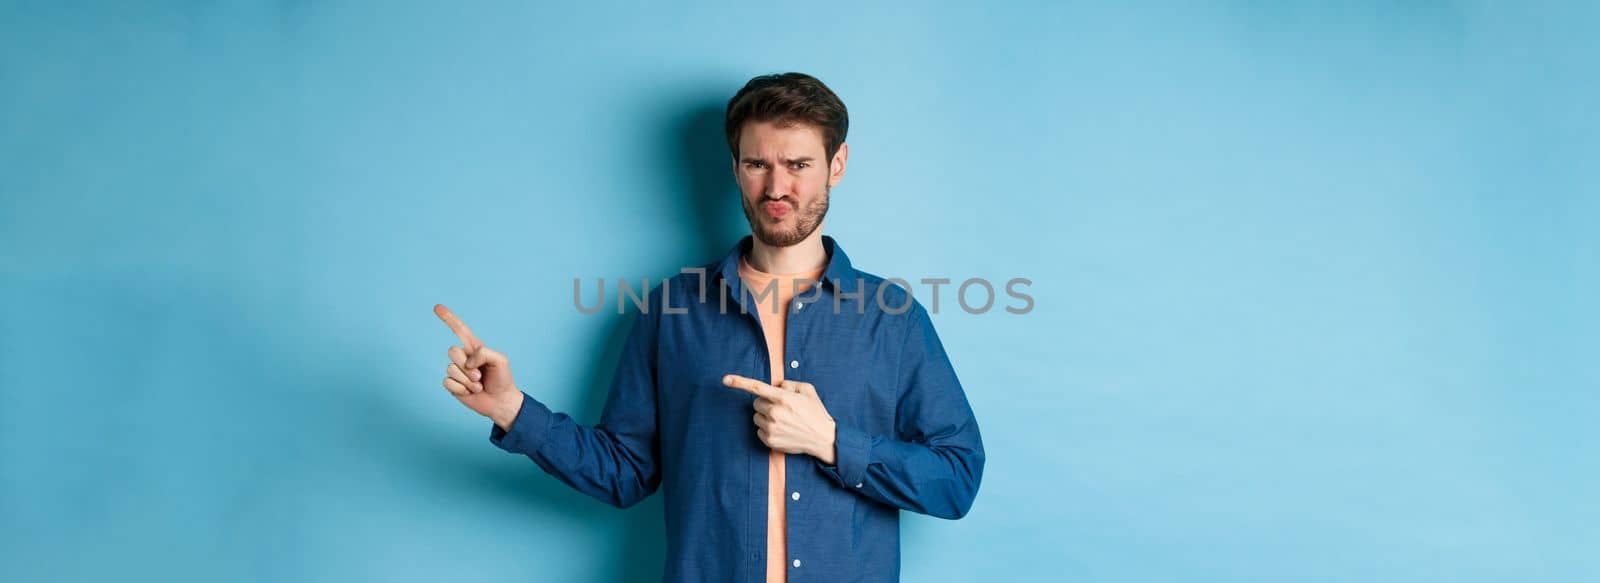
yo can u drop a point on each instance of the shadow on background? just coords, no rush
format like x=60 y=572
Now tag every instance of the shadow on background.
x=704 y=168
x=707 y=192
x=238 y=431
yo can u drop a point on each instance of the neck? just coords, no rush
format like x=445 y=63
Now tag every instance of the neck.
x=807 y=255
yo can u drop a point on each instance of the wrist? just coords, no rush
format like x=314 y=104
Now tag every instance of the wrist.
x=506 y=414
x=826 y=453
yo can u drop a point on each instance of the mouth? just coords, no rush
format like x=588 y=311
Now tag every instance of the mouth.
x=776 y=209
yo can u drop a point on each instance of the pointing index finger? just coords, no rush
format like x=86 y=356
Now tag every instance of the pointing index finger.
x=468 y=340
x=750 y=385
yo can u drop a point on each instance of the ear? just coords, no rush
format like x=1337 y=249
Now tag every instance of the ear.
x=836 y=168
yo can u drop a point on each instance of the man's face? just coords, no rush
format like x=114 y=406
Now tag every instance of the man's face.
x=784 y=178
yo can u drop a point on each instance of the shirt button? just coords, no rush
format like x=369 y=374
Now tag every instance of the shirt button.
x=797 y=563
x=798 y=305
x=794 y=496
x=794 y=364
x=858 y=484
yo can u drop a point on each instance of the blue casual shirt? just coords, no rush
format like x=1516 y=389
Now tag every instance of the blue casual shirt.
x=906 y=436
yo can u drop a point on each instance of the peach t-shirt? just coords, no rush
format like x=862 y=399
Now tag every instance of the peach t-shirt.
x=774 y=315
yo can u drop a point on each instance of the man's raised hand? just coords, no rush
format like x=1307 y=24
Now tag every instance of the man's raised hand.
x=479 y=377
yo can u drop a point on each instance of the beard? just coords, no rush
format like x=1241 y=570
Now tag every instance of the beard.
x=774 y=233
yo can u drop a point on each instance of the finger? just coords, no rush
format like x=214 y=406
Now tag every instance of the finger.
x=459 y=376
x=459 y=357
x=801 y=387
x=764 y=406
x=454 y=372
x=751 y=386
x=760 y=420
x=464 y=333
x=484 y=357
x=455 y=387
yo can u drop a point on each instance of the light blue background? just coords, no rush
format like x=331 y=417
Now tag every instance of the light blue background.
x=1315 y=284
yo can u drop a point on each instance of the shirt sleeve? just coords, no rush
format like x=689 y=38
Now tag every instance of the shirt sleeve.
x=934 y=463
x=617 y=460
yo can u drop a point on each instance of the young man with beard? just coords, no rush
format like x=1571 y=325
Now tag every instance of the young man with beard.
x=787 y=404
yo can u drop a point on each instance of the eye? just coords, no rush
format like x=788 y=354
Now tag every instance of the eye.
x=801 y=165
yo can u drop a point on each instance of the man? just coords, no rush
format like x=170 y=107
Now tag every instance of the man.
x=788 y=404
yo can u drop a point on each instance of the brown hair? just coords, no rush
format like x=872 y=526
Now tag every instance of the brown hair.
x=787 y=99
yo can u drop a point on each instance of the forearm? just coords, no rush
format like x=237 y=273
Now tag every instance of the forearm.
x=938 y=478
x=616 y=465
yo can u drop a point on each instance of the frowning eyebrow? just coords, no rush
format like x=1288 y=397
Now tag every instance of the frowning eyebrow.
x=749 y=159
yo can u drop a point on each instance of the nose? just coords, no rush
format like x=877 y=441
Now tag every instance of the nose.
x=779 y=185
